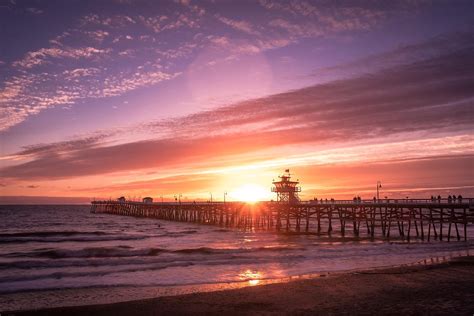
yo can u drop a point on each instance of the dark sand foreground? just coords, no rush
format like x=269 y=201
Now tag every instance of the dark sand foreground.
x=446 y=288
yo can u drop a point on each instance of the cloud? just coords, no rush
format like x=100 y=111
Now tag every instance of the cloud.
x=80 y=72
x=114 y=21
x=335 y=17
x=44 y=55
x=95 y=58
x=289 y=22
x=177 y=20
x=106 y=54
x=432 y=48
x=241 y=25
x=167 y=184
x=430 y=99
x=400 y=178
x=30 y=93
x=117 y=85
x=34 y=11
x=33 y=186
x=156 y=23
x=97 y=35
x=64 y=147
x=393 y=100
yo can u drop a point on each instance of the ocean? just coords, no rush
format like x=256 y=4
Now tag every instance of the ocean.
x=45 y=247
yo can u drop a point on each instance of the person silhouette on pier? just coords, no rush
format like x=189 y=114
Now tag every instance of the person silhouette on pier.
x=449 y=199
x=460 y=198
x=439 y=198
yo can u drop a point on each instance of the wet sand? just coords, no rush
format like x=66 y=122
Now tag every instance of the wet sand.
x=446 y=288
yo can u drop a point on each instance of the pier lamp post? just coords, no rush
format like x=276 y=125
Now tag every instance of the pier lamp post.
x=211 y=196
x=379 y=185
x=179 y=198
x=225 y=193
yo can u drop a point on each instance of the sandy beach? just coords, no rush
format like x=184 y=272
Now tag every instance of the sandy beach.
x=445 y=288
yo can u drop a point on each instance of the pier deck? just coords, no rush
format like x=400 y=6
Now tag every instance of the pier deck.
x=405 y=219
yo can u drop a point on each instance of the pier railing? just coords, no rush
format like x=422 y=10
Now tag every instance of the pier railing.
x=424 y=219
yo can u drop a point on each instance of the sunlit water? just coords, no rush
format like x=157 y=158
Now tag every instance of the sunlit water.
x=58 y=247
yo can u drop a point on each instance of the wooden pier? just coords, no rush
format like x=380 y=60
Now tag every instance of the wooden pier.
x=400 y=219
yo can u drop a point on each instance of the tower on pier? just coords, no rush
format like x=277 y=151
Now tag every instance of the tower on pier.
x=286 y=190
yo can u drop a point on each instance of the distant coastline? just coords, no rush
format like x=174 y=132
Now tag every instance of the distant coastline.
x=43 y=200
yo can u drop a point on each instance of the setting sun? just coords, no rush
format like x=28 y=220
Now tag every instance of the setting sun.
x=251 y=193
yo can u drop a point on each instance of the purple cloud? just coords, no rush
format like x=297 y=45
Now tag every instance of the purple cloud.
x=427 y=98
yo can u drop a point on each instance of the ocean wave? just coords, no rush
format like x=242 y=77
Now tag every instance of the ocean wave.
x=132 y=266
x=94 y=252
x=129 y=252
x=104 y=262
x=65 y=274
x=208 y=250
x=78 y=236
x=63 y=236
x=73 y=239
x=50 y=233
x=183 y=232
x=120 y=252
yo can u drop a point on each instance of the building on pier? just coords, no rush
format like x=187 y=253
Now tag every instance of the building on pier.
x=147 y=200
x=121 y=199
x=286 y=190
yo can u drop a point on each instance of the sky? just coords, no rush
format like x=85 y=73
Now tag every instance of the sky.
x=100 y=99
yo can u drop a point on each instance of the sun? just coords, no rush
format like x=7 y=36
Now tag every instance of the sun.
x=250 y=193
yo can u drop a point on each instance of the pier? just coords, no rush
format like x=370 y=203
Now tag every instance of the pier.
x=424 y=219
x=402 y=219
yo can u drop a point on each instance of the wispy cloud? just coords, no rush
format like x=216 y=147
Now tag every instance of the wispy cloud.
x=430 y=99
x=241 y=25
x=115 y=21
x=64 y=147
x=30 y=93
x=35 y=11
x=134 y=48
x=432 y=48
x=332 y=18
x=66 y=72
x=47 y=54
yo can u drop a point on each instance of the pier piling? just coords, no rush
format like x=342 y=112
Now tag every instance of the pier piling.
x=318 y=218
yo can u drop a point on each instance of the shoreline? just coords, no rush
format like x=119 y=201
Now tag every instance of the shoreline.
x=457 y=273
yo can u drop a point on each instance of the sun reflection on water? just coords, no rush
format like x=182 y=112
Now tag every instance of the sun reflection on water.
x=254 y=282
x=253 y=277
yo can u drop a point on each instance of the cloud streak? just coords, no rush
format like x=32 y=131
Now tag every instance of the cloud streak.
x=430 y=99
x=45 y=55
x=103 y=55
